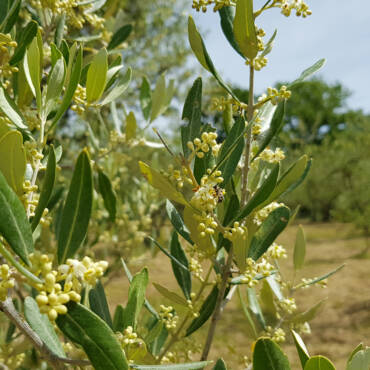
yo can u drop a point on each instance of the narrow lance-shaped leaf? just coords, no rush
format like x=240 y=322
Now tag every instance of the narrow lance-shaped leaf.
x=161 y=183
x=99 y=304
x=9 y=108
x=96 y=76
x=85 y=328
x=230 y=164
x=119 y=319
x=77 y=209
x=203 y=57
x=26 y=36
x=158 y=97
x=41 y=325
x=205 y=312
x=255 y=307
x=32 y=70
x=267 y=355
x=172 y=296
x=301 y=348
x=220 y=365
x=275 y=127
x=13 y=160
x=183 y=277
x=131 y=126
x=108 y=194
x=309 y=314
x=119 y=88
x=145 y=98
x=299 y=249
x=320 y=363
x=136 y=298
x=261 y=194
x=192 y=112
x=120 y=36
x=11 y=16
x=274 y=224
x=244 y=28
x=178 y=222
x=47 y=188
x=227 y=20
x=72 y=79
x=14 y=225
x=308 y=72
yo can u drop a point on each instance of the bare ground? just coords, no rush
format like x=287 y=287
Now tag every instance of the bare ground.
x=343 y=323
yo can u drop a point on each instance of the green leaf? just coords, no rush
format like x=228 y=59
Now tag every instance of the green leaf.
x=359 y=347
x=183 y=277
x=119 y=319
x=268 y=47
x=55 y=86
x=32 y=69
x=13 y=160
x=262 y=193
x=120 y=36
x=301 y=348
x=274 y=128
x=172 y=296
x=145 y=98
x=251 y=329
x=240 y=243
x=158 y=97
x=178 y=222
x=71 y=80
x=299 y=249
x=136 y=298
x=244 y=29
x=9 y=108
x=108 y=194
x=41 y=325
x=47 y=188
x=267 y=355
x=255 y=307
x=274 y=224
x=147 y=305
x=291 y=178
x=360 y=360
x=309 y=314
x=154 y=332
x=120 y=87
x=229 y=157
x=308 y=72
x=192 y=112
x=275 y=287
x=190 y=366
x=97 y=76
x=77 y=209
x=320 y=363
x=60 y=23
x=14 y=225
x=99 y=304
x=267 y=300
x=220 y=365
x=131 y=126
x=11 y=16
x=162 y=184
x=227 y=19
x=205 y=312
x=203 y=57
x=26 y=36
x=88 y=330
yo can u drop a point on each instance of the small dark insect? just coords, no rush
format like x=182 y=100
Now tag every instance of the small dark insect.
x=219 y=193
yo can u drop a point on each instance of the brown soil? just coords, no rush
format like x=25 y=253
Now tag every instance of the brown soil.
x=343 y=323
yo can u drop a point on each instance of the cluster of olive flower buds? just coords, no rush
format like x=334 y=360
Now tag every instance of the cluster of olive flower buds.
x=209 y=194
x=168 y=316
x=271 y=156
x=255 y=269
x=196 y=268
x=202 y=4
x=277 y=335
x=6 y=70
x=276 y=251
x=263 y=213
x=288 y=305
x=6 y=282
x=300 y=7
x=205 y=144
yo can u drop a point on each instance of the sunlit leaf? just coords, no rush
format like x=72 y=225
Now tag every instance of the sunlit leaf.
x=299 y=249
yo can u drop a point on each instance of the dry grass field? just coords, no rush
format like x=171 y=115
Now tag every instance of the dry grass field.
x=343 y=323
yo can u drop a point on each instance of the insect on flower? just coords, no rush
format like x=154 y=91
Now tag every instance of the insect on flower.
x=219 y=193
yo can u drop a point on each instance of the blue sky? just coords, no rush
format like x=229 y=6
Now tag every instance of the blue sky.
x=338 y=30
